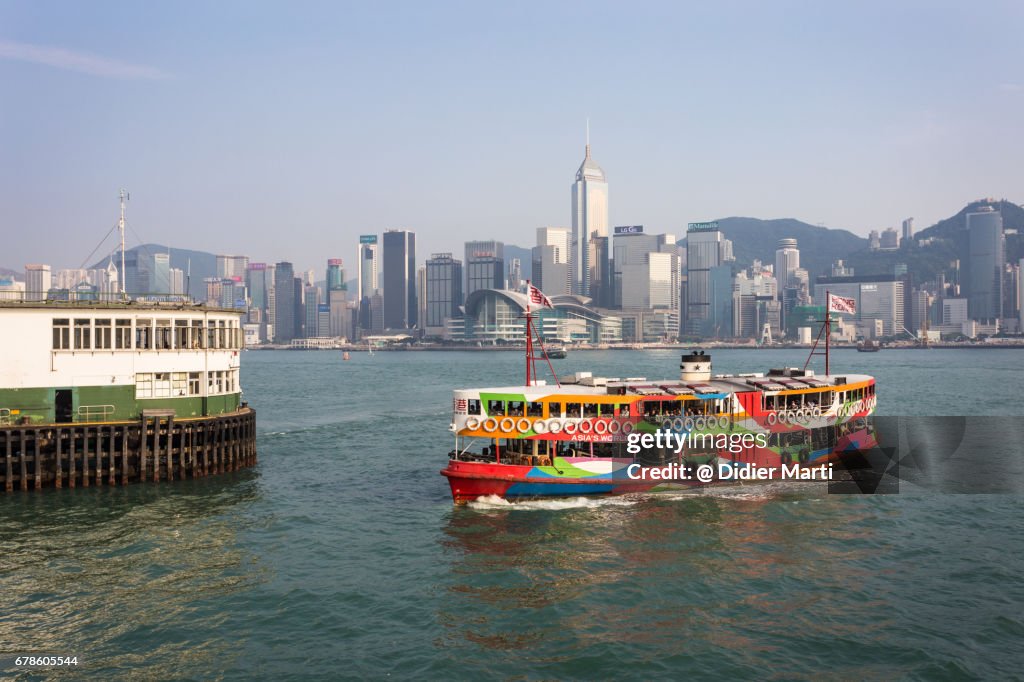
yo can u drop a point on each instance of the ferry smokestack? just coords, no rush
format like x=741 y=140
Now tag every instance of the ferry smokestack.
x=695 y=367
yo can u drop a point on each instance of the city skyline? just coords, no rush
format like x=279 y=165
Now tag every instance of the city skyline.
x=729 y=117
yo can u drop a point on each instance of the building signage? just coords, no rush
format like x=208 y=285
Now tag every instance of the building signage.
x=629 y=229
x=702 y=227
x=367 y=239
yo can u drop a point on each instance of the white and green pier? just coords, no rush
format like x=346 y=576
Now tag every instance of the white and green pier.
x=119 y=392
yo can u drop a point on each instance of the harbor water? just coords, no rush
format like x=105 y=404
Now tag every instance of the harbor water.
x=340 y=555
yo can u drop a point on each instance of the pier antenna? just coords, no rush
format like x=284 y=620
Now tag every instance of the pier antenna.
x=120 y=227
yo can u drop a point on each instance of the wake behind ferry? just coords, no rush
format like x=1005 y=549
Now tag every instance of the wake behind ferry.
x=580 y=436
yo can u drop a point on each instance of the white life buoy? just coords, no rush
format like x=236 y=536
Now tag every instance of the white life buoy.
x=554 y=426
x=524 y=425
x=490 y=424
x=700 y=423
x=816 y=412
x=570 y=427
x=772 y=419
x=586 y=426
x=688 y=423
x=601 y=427
x=627 y=427
x=667 y=425
x=679 y=424
x=507 y=424
x=540 y=426
x=472 y=423
x=801 y=416
x=614 y=426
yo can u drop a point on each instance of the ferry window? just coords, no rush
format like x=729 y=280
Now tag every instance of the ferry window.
x=589 y=409
x=496 y=407
x=196 y=335
x=515 y=408
x=220 y=382
x=179 y=383
x=123 y=334
x=535 y=410
x=103 y=336
x=473 y=406
x=82 y=334
x=211 y=336
x=572 y=410
x=181 y=333
x=624 y=410
x=554 y=410
x=222 y=335
x=162 y=385
x=143 y=385
x=61 y=334
x=163 y=334
x=143 y=334
x=193 y=383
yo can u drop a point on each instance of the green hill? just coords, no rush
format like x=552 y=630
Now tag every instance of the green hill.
x=753 y=238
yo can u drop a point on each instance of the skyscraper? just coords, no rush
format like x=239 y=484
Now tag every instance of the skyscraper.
x=232 y=266
x=589 y=219
x=986 y=255
x=787 y=260
x=284 y=302
x=703 y=252
x=367 y=277
x=399 y=279
x=485 y=266
x=160 y=274
x=551 y=260
x=443 y=291
x=336 y=286
x=908 y=231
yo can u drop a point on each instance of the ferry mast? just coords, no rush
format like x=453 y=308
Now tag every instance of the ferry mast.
x=120 y=226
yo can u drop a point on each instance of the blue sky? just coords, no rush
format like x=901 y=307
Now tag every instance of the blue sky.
x=285 y=131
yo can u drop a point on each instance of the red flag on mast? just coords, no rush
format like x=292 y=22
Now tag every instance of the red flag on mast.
x=537 y=297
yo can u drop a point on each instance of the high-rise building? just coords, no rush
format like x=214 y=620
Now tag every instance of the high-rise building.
x=908 y=231
x=986 y=255
x=589 y=219
x=878 y=297
x=485 y=266
x=177 y=279
x=443 y=292
x=600 y=277
x=551 y=260
x=232 y=266
x=160 y=274
x=890 y=240
x=311 y=307
x=37 y=282
x=399 y=279
x=755 y=302
x=367 y=276
x=787 y=260
x=703 y=252
x=256 y=283
x=515 y=275
x=284 y=302
x=874 y=241
x=336 y=286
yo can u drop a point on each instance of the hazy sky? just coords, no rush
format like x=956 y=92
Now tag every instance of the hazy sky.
x=283 y=131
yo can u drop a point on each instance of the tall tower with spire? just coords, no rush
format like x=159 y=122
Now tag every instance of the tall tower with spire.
x=589 y=221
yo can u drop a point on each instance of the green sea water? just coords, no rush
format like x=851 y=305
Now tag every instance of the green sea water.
x=340 y=556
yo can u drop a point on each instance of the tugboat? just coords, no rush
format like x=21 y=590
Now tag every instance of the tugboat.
x=868 y=346
x=582 y=435
x=557 y=353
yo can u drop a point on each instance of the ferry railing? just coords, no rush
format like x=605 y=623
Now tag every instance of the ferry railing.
x=88 y=413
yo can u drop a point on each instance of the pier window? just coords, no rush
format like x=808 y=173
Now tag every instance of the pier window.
x=143 y=334
x=211 y=335
x=162 y=385
x=495 y=407
x=181 y=334
x=473 y=406
x=194 y=383
x=143 y=385
x=222 y=334
x=123 y=334
x=554 y=410
x=195 y=335
x=83 y=334
x=103 y=334
x=163 y=334
x=61 y=334
x=179 y=383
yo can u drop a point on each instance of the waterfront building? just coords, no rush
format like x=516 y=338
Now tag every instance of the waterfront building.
x=160 y=275
x=954 y=311
x=877 y=296
x=496 y=316
x=600 y=278
x=986 y=256
x=704 y=250
x=367 y=277
x=285 y=311
x=589 y=219
x=399 y=279
x=311 y=312
x=787 y=260
x=484 y=265
x=335 y=280
x=232 y=266
x=755 y=303
x=38 y=281
x=515 y=275
x=551 y=260
x=443 y=292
